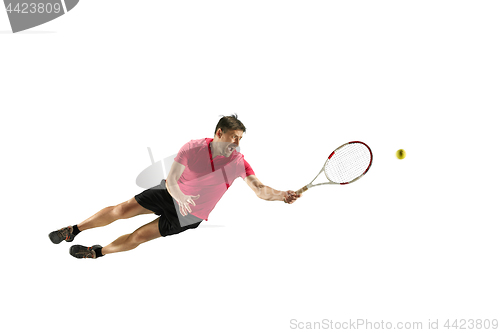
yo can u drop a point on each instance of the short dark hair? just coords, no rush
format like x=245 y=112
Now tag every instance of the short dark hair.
x=228 y=123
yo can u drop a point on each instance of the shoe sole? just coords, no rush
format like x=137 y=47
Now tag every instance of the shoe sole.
x=77 y=248
x=54 y=238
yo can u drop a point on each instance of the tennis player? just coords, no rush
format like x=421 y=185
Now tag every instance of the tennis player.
x=201 y=173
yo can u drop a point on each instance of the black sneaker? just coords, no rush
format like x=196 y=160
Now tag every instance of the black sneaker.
x=62 y=234
x=79 y=251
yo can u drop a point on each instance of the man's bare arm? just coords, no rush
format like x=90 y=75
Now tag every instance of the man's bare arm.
x=173 y=188
x=267 y=193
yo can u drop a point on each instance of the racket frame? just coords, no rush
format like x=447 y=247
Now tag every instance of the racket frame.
x=308 y=186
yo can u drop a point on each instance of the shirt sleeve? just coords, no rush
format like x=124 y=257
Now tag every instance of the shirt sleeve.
x=183 y=154
x=248 y=170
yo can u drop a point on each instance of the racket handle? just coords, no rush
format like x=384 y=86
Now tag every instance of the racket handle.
x=305 y=188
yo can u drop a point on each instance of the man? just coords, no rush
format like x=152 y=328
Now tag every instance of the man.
x=201 y=173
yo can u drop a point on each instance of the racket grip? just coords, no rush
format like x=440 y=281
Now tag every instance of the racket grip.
x=305 y=188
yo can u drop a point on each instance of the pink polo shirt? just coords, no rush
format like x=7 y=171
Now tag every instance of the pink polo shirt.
x=209 y=177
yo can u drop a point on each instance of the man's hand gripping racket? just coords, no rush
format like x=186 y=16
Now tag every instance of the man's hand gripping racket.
x=345 y=165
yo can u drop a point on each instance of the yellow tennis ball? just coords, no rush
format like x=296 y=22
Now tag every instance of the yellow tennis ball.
x=401 y=154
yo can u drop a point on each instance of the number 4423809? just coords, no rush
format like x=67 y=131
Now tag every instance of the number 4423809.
x=32 y=8
x=463 y=324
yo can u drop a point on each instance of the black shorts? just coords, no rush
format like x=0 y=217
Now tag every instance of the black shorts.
x=158 y=200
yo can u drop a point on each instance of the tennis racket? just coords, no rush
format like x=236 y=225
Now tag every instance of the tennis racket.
x=345 y=165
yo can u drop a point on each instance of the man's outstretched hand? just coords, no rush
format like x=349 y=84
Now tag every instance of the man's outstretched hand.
x=291 y=196
x=184 y=203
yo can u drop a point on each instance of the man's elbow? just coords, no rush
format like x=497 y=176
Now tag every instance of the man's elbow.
x=262 y=192
x=171 y=180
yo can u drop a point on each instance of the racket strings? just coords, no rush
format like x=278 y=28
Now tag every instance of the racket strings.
x=348 y=163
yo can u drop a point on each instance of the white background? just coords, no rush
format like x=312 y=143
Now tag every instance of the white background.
x=83 y=96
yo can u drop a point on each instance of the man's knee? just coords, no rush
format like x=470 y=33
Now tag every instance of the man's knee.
x=145 y=233
x=136 y=239
x=129 y=209
x=120 y=211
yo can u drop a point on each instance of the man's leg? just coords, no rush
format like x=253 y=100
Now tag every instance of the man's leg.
x=130 y=241
x=124 y=243
x=105 y=216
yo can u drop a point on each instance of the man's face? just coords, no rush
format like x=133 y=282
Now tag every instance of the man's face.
x=227 y=142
